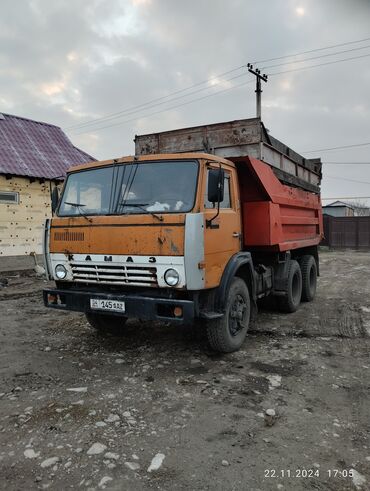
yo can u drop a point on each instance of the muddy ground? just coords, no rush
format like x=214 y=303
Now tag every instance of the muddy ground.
x=78 y=410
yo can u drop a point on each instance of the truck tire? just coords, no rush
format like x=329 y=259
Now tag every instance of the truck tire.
x=309 y=277
x=293 y=288
x=228 y=333
x=105 y=323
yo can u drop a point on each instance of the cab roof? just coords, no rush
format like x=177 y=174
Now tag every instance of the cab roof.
x=144 y=158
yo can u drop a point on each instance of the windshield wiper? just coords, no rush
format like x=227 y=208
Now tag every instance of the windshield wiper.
x=73 y=204
x=141 y=206
x=78 y=206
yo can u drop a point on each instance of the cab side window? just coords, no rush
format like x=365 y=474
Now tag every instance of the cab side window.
x=226 y=203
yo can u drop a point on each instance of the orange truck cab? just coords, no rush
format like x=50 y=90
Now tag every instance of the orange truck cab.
x=179 y=237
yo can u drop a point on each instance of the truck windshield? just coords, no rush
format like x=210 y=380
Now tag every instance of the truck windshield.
x=139 y=187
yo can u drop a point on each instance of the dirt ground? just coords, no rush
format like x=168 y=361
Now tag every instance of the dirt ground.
x=155 y=409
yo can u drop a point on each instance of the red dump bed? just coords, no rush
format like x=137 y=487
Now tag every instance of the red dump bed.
x=276 y=216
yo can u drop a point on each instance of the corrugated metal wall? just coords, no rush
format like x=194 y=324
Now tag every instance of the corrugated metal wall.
x=21 y=224
x=338 y=211
x=343 y=232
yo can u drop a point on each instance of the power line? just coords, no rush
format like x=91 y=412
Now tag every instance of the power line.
x=316 y=57
x=338 y=148
x=117 y=115
x=152 y=104
x=346 y=179
x=347 y=163
x=211 y=95
x=311 y=51
x=216 y=93
x=167 y=109
x=127 y=113
x=160 y=101
x=346 y=197
x=143 y=105
x=319 y=64
x=159 y=98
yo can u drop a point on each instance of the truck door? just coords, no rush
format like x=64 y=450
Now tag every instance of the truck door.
x=223 y=239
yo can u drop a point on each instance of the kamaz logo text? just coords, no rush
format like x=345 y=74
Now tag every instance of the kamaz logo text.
x=128 y=259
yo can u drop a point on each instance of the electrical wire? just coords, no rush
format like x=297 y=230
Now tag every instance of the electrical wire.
x=315 y=57
x=216 y=77
x=168 y=109
x=310 y=51
x=338 y=148
x=145 y=104
x=347 y=197
x=346 y=163
x=117 y=116
x=318 y=65
x=216 y=93
x=346 y=179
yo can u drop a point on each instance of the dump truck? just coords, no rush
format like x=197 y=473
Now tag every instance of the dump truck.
x=199 y=227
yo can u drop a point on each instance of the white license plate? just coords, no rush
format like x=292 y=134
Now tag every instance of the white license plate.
x=112 y=305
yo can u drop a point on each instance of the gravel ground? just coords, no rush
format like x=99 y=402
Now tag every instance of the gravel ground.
x=155 y=409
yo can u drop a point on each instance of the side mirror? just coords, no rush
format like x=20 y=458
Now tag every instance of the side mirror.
x=54 y=199
x=215 y=192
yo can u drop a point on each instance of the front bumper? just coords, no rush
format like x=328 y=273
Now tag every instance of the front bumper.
x=148 y=308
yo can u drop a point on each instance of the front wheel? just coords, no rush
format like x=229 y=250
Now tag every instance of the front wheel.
x=105 y=323
x=228 y=333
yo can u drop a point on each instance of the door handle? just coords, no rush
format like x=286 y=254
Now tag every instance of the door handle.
x=236 y=234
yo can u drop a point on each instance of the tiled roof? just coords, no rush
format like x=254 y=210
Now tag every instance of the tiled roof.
x=34 y=149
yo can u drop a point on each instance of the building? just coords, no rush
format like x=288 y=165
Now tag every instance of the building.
x=338 y=209
x=34 y=157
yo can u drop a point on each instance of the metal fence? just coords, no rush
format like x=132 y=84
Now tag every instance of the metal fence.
x=342 y=232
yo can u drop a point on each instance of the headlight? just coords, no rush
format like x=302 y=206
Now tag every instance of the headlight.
x=171 y=277
x=60 y=271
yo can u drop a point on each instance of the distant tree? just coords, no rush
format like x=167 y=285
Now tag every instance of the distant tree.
x=360 y=208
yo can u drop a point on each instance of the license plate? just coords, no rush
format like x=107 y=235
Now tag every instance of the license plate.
x=111 y=305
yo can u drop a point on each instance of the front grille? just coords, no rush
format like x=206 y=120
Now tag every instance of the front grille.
x=69 y=236
x=121 y=274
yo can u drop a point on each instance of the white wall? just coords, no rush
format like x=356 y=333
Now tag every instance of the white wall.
x=21 y=225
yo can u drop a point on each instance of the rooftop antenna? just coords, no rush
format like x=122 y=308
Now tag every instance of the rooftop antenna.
x=258 y=90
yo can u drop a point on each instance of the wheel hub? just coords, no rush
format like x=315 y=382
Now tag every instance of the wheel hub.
x=236 y=315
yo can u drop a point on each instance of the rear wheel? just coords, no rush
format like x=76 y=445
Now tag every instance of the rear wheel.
x=309 y=277
x=105 y=323
x=228 y=333
x=293 y=288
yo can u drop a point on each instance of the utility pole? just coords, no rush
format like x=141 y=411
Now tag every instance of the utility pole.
x=258 y=90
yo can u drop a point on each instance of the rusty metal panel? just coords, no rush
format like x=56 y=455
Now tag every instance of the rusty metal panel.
x=200 y=138
x=235 y=139
x=252 y=150
x=117 y=233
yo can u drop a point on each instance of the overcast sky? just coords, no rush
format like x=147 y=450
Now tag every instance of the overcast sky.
x=68 y=63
